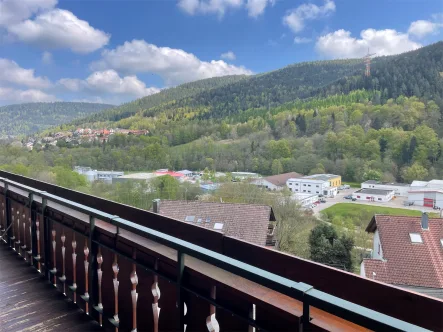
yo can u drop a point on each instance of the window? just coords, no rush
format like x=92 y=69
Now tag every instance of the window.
x=218 y=226
x=415 y=238
x=189 y=218
x=296 y=189
x=199 y=220
x=296 y=184
x=309 y=185
x=208 y=220
x=441 y=242
x=317 y=192
x=358 y=196
x=317 y=186
x=304 y=191
x=304 y=185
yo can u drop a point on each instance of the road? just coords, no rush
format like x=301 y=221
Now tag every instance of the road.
x=396 y=203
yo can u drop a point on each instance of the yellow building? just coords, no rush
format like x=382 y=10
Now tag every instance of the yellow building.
x=334 y=180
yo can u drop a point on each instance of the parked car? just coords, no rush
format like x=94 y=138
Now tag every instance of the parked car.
x=322 y=200
x=313 y=206
x=348 y=197
x=354 y=199
x=320 y=195
x=408 y=203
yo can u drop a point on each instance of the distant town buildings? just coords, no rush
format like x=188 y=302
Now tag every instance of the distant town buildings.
x=407 y=252
x=82 y=135
x=249 y=222
x=317 y=184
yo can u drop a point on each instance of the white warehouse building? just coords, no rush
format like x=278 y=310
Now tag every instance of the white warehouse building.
x=373 y=195
x=426 y=197
x=305 y=199
x=313 y=184
x=400 y=189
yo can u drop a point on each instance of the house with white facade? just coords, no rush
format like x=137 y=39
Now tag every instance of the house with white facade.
x=318 y=184
x=400 y=189
x=373 y=195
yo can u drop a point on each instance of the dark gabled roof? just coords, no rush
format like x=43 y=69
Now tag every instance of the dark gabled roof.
x=248 y=222
x=404 y=262
x=280 y=179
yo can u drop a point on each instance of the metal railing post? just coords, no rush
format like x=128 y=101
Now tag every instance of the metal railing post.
x=180 y=293
x=8 y=214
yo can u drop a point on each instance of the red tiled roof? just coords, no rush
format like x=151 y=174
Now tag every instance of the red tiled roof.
x=407 y=263
x=248 y=222
x=280 y=179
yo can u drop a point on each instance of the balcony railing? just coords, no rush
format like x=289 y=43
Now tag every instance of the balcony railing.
x=132 y=277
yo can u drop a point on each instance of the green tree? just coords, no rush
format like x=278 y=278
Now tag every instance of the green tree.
x=64 y=177
x=414 y=172
x=328 y=248
x=277 y=167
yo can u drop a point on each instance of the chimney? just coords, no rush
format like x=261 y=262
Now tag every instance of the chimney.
x=156 y=205
x=424 y=221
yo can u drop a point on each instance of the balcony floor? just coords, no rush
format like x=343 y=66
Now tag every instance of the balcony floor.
x=30 y=303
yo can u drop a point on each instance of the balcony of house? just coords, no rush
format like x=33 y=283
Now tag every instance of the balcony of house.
x=134 y=270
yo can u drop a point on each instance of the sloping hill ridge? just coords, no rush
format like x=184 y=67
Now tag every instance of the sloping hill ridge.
x=416 y=73
x=25 y=119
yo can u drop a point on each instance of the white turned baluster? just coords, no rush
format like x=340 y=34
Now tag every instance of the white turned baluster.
x=115 y=268
x=54 y=260
x=37 y=231
x=74 y=268
x=86 y=262
x=63 y=277
x=13 y=229
x=211 y=321
x=156 y=294
x=18 y=231
x=30 y=238
x=24 y=234
x=100 y=276
x=134 y=295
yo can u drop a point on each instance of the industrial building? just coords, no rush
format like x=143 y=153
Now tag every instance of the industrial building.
x=319 y=184
x=400 y=189
x=373 y=195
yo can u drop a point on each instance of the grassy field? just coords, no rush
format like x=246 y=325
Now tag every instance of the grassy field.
x=354 y=210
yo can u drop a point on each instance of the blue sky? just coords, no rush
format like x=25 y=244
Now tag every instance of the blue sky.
x=115 y=51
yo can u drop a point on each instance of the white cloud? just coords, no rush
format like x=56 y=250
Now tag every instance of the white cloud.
x=10 y=95
x=47 y=58
x=257 y=7
x=15 y=11
x=302 y=40
x=12 y=73
x=340 y=44
x=295 y=18
x=422 y=28
x=174 y=65
x=108 y=82
x=228 y=55
x=218 y=7
x=60 y=28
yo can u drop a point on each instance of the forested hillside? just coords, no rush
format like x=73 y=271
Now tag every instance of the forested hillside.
x=163 y=97
x=417 y=73
x=25 y=119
